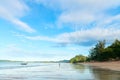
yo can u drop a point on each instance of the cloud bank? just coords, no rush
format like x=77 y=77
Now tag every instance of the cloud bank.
x=83 y=37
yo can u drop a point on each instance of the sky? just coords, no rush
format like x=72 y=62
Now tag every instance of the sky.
x=49 y=30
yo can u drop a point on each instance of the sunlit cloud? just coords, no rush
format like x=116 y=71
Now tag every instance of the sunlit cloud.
x=85 y=13
x=81 y=12
x=84 y=37
x=12 y=11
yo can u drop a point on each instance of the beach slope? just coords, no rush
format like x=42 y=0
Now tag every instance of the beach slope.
x=114 y=65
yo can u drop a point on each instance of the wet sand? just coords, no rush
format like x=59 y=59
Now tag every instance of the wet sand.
x=114 y=65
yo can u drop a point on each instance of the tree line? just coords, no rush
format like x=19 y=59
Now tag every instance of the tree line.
x=100 y=53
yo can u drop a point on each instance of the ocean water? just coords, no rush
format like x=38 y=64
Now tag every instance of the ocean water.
x=54 y=71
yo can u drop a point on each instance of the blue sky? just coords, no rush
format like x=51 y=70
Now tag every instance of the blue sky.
x=55 y=29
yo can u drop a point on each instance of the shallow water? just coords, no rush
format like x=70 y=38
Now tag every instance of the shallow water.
x=54 y=71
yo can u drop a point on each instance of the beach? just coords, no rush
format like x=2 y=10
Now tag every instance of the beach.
x=54 y=71
x=112 y=65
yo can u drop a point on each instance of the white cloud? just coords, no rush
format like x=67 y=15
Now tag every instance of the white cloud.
x=73 y=4
x=77 y=17
x=80 y=11
x=22 y=25
x=84 y=37
x=84 y=12
x=112 y=22
x=12 y=11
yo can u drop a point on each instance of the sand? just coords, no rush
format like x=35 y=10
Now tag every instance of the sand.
x=114 y=65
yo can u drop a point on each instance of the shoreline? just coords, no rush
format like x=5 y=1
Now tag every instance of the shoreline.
x=112 y=65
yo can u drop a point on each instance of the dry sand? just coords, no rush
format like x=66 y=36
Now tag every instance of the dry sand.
x=114 y=65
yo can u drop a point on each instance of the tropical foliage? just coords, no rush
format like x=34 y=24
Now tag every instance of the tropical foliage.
x=100 y=53
x=78 y=58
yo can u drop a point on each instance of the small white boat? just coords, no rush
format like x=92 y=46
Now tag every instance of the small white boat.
x=24 y=63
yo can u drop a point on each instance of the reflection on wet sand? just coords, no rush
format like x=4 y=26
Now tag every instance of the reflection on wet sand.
x=79 y=67
x=102 y=74
x=98 y=74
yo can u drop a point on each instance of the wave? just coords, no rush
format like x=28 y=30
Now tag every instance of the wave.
x=18 y=65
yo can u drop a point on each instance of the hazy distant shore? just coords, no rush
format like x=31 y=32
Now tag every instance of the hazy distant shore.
x=113 y=65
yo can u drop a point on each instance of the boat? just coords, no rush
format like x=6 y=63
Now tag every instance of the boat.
x=24 y=63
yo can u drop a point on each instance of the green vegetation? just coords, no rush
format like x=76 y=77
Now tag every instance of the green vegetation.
x=100 y=53
x=78 y=58
x=96 y=52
